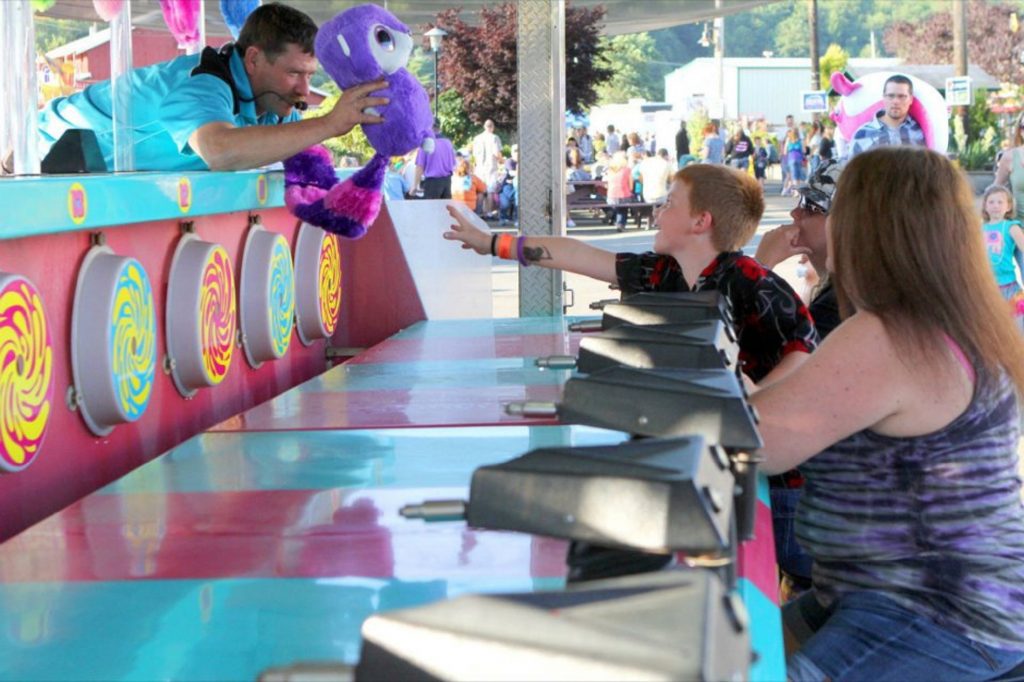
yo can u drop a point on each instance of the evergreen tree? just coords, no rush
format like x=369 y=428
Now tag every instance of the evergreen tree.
x=629 y=59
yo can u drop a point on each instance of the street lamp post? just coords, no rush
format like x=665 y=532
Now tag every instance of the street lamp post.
x=436 y=35
x=716 y=37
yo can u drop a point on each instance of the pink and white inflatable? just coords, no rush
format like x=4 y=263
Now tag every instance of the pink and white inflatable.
x=861 y=99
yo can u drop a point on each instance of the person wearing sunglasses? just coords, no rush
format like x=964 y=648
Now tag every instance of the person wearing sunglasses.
x=1010 y=169
x=806 y=236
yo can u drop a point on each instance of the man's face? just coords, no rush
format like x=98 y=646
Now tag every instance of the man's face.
x=789 y=121
x=489 y=126
x=810 y=224
x=279 y=83
x=897 y=100
x=674 y=220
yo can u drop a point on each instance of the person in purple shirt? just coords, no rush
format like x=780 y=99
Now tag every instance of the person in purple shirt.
x=434 y=170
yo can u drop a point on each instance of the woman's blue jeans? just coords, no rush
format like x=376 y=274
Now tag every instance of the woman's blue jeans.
x=867 y=636
x=791 y=558
x=507 y=201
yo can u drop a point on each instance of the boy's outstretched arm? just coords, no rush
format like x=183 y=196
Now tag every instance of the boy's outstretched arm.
x=557 y=253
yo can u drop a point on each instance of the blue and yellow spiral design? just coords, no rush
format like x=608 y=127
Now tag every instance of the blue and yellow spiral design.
x=133 y=340
x=281 y=296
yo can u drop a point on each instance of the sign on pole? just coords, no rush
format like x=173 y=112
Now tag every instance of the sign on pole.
x=814 y=101
x=958 y=91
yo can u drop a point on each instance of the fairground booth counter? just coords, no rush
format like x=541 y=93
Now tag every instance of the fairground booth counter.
x=218 y=426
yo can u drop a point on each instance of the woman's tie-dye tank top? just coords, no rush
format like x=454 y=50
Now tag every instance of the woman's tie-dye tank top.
x=934 y=522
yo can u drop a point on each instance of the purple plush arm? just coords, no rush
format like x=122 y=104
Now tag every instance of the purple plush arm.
x=348 y=208
x=310 y=167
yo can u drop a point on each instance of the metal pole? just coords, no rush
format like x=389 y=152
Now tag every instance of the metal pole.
x=121 y=89
x=21 y=99
x=436 y=83
x=719 y=31
x=540 y=43
x=812 y=19
x=959 y=10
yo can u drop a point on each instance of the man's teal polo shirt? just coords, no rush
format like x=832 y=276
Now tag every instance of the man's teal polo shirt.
x=168 y=105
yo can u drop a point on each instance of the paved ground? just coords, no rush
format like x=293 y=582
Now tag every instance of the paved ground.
x=505 y=281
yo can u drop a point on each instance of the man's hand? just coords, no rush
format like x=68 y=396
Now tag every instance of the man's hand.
x=350 y=109
x=466 y=229
x=779 y=244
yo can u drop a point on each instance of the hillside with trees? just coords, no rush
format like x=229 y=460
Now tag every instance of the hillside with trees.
x=782 y=28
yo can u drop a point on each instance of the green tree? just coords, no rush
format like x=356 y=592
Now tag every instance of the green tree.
x=834 y=59
x=750 y=34
x=629 y=59
x=695 y=129
x=354 y=143
x=455 y=125
x=678 y=44
x=53 y=33
x=782 y=26
x=980 y=116
x=421 y=65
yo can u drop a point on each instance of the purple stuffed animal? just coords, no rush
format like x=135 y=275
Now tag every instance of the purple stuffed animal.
x=362 y=44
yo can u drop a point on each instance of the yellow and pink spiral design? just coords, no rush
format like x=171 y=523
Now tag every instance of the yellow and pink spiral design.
x=217 y=315
x=330 y=282
x=26 y=373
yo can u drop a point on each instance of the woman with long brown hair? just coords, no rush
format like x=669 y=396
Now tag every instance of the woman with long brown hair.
x=905 y=423
x=1010 y=170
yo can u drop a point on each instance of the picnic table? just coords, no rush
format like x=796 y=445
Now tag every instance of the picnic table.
x=592 y=196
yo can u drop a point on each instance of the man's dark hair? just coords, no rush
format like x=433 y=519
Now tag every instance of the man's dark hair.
x=273 y=27
x=902 y=80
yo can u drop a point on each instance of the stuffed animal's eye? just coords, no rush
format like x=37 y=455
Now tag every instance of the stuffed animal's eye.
x=390 y=48
x=384 y=39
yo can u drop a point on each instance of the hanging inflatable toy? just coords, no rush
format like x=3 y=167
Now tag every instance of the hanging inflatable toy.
x=108 y=9
x=182 y=18
x=235 y=13
x=861 y=99
x=362 y=44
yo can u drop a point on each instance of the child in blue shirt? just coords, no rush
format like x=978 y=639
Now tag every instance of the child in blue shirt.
x=1004 y=239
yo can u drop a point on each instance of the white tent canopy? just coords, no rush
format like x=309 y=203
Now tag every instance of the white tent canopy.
x=623 y=16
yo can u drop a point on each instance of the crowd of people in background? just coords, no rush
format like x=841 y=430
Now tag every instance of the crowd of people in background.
x=483 y=176
x=798 y=149
x=625 y=168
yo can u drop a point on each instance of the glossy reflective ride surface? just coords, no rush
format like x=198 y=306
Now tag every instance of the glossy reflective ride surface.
x=269 y=539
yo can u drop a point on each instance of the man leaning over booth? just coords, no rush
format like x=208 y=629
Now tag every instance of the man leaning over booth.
x=221 y=109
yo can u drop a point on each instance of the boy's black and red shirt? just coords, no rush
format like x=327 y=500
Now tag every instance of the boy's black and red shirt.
x=770 y=319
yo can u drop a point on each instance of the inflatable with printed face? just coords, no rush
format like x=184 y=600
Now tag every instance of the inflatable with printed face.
x=862 y=99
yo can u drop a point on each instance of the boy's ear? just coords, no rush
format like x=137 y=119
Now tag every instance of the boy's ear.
x=704 y=223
